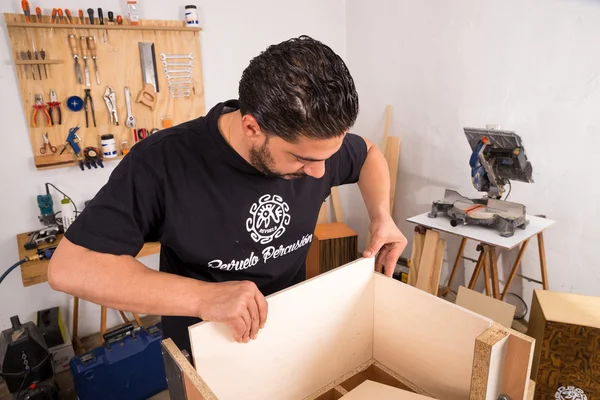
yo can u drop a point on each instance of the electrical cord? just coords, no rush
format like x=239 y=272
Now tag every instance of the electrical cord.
x=509 y=190
x=63 y=193
x=32 y=369
x=519 y=317
x=18 y=396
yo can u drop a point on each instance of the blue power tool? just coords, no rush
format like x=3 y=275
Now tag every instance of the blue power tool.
x=74 y=145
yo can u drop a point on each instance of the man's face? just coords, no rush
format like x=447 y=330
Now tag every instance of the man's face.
x=306 y=157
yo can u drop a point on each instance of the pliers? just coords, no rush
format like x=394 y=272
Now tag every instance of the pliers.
x=54 y=103
x=39 y=105
x=88 y=99
x=110 y=98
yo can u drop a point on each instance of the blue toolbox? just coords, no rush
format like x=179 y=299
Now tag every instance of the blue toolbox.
x=128 y=366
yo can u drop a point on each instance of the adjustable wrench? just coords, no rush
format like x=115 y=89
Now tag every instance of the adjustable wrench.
x=130 y=122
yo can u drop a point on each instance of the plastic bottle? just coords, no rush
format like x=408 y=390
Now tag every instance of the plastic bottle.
x=191 y=16
x=132 y=11
x=109 y=146
x=67 y=213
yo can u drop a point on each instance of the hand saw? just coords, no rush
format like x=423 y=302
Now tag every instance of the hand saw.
x=147 y=95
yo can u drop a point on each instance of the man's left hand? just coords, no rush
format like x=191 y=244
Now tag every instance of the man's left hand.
x=387 y=242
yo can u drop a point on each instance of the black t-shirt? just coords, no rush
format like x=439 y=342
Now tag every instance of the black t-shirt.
x=217 y=217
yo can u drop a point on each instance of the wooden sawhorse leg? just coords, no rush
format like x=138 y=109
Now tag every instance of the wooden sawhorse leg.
x=542 y=251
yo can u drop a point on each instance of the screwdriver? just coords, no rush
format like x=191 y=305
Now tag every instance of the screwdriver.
x=81 y=18
x=111 y=17
x=100 y=16
x=92 y=47
x=38 y=12
x=119 y=20
x=69 y=16
x=61 y=17
x=90 y=12
x=54 y=14
x=26 y=10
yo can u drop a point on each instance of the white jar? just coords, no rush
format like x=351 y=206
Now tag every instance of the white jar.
x=109 y=146
x=191 y=16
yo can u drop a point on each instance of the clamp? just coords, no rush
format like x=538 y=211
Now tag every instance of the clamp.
x=88 y=100
x=39 y=105
x=110 y=98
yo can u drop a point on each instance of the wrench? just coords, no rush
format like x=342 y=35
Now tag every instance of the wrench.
x=179 y=82
x=164 y=56
x=178 y=64
x=176 y=71
x=184 y=76
x=130 y=122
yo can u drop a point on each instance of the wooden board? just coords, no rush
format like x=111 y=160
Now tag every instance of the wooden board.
x=415 y=258
x=488 y=364
x=431 y=338
x=183 y=380
x=392 y=155
x=333 y=245
x=337 y=206
x=119 y=66
x=483 y=234
x=517 y=365
x=34 y=272
x=308 y=345
x=427 y=267
x=369 y=390
x=501 y=312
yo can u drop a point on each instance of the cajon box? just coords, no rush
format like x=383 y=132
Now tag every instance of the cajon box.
x=333 y=245
x=566 y=362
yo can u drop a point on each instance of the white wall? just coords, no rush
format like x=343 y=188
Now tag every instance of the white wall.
x=531 y=66
x=234 y=32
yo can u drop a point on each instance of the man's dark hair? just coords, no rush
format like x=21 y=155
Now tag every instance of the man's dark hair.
x=299 y=87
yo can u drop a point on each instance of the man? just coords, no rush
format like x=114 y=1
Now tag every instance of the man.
x=233 y=198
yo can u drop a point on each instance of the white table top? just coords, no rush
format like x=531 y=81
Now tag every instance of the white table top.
x=482 y=233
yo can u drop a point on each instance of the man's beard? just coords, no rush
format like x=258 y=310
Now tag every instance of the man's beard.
x=261 y=159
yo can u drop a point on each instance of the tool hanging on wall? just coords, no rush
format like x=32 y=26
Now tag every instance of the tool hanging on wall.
x=23 y=56
x=84 y=54
x=91 y=41
x=47 y=145
x=37 y=57
x=61 y=17
x=73 y=45
x=39 y=105
x=73 y=140
x=101 y=21
x=38 y=13
x=88 y=105
x=81 y=17
x=54 y=104
x=130 y=122
x=54 y=15
x=75 y=103
x=92 y=158
x=43 y=56
x=110 y=98
x=69 y=16
x=30 y=58
x=90 y=12
x=26 y=10
x=147 y=95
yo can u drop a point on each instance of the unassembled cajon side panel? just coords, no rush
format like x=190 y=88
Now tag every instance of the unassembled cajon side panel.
x=420 y=336
x=316 y=332
x=488 y=364
x=519 y=357
x=370 y=390
x=183 y=380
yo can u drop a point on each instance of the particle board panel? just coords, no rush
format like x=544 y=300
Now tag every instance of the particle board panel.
x=119 y=66
x=488 y=364
x=429 y=334
x=369 y=390
x=316 y=332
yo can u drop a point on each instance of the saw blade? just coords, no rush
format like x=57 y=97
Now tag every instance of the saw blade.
x=148 y=62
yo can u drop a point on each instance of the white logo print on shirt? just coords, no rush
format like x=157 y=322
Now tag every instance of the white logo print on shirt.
x=570 y=393
x=268 y=218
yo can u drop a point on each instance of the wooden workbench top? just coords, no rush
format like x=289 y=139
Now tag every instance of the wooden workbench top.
x=34 y=272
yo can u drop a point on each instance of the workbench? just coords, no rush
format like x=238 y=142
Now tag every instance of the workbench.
x=34 y=272
x=489 y=241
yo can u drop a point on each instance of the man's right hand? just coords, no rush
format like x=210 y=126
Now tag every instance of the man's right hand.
x=239 y=304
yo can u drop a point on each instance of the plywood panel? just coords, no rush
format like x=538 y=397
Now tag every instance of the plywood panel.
x=370 y=390
x=119 y=66
x=501 y=312
x=309 y=345
x=432 y=338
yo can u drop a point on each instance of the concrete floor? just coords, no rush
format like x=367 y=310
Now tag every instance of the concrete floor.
x=65 y=379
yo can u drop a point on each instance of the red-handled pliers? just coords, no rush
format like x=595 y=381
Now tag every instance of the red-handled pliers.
x=39 y=105
x=54 y=103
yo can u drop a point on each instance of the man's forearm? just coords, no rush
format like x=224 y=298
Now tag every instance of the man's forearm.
x=374 y=183
x=122 y=283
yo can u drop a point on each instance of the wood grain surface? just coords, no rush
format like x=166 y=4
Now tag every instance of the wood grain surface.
x=119 y=65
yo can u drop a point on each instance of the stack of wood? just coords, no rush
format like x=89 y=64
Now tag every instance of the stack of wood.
x=426 y=260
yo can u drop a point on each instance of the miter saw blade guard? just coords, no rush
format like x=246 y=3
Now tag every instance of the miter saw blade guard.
x=505 y=216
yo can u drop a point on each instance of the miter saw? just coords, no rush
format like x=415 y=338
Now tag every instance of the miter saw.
x=498 y=156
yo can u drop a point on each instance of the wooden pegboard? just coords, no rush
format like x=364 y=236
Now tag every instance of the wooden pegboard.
x=118 y=59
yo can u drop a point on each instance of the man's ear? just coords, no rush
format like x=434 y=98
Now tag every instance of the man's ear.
x=251 y=128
